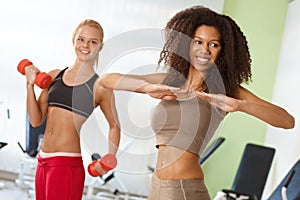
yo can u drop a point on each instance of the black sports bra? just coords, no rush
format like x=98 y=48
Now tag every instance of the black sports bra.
x=78 y=99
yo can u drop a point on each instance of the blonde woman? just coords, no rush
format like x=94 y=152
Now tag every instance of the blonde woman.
x=67 y=103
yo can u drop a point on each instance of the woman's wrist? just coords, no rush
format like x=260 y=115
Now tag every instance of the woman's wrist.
x=144 y=87
x=29 y=84
x=242 y=105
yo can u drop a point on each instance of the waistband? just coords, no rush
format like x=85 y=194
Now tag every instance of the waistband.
x=177 y=183
x=65 y=161
x=54 y=154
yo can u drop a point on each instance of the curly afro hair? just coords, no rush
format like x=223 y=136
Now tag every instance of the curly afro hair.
x=234 y=63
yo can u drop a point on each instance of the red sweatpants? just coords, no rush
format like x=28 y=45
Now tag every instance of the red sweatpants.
x=59 y=178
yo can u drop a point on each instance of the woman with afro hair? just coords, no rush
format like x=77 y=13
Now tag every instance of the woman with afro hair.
x=207 y=59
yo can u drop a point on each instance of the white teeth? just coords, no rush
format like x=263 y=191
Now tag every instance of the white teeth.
x=83 y=51
x=203 y=59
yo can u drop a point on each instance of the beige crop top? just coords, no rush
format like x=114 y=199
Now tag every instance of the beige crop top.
x=188 y=125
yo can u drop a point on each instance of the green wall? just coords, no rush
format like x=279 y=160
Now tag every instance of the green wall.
x=262 y=22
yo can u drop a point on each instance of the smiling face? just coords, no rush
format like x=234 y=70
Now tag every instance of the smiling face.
x=205 y=47
x=87 y=43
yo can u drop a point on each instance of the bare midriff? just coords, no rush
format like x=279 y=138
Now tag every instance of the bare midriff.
x=62 y=131
x=174 y=163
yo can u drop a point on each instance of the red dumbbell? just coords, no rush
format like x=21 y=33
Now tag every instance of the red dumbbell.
x=42 y=79
x=107 y=162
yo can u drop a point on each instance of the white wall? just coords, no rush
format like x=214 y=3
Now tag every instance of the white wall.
x=41 y=31
x=286 y=93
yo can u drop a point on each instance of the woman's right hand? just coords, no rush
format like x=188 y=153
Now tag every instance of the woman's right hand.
x=30 y=73
x=161 y=91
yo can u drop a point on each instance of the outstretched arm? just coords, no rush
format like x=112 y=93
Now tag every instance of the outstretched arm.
x=149 y=84
x=247 y=102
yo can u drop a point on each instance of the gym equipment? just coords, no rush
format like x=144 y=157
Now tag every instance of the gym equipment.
x=284 y=188
x=289 y=186
x=252 y=173
x=34 y=137
x=2 y=144
x=107 y=162
x=42 y=79
x=211 y=149
x=27 y=169
x=28 y=161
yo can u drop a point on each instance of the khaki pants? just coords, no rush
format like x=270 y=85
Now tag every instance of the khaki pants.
x=178 y=190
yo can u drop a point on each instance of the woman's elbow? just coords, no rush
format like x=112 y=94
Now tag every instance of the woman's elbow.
x=289 y=122
x=35 y=124
x=108 y=80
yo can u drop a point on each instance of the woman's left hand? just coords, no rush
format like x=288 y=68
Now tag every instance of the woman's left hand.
x=221 y=101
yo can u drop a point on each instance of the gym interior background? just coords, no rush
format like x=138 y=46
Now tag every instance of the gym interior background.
x=42 y=32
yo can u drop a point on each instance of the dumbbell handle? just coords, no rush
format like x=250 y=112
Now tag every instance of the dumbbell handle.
x=107 y=162
x=42 y=79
